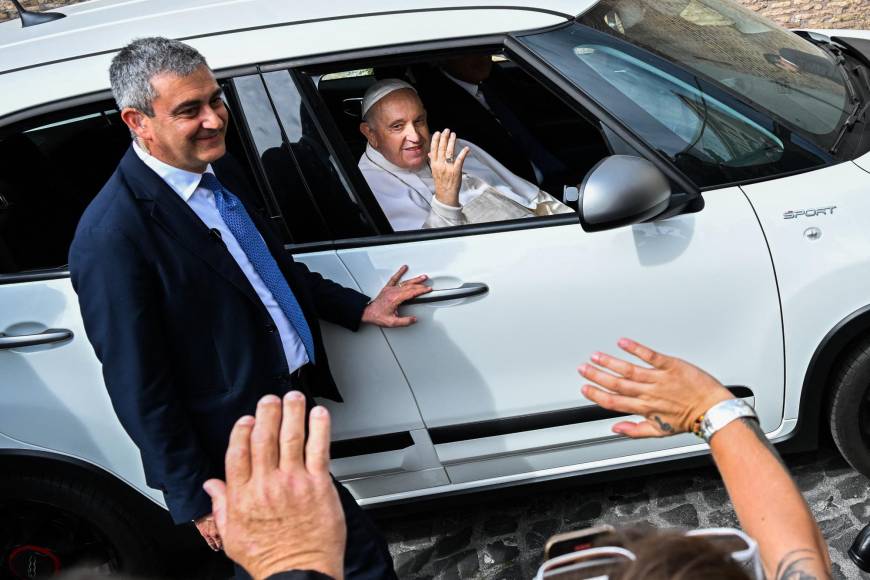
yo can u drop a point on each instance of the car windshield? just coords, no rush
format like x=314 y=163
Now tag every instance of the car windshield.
x=754 y=58
x=697 y=122
x=700 y=119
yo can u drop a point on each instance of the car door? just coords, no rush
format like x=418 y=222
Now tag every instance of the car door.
x=380 y=444
x=517 y=306
x=52 y=398
x=494 y=373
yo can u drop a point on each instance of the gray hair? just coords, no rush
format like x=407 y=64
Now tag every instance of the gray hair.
x=137 y=63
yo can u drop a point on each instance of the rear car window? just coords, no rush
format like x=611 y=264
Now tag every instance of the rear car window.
x=50 y=169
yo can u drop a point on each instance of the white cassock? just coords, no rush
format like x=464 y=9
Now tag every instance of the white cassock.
x=489 y=192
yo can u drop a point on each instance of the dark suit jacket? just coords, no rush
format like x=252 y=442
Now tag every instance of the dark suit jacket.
x=449 y=106
x=187 y=346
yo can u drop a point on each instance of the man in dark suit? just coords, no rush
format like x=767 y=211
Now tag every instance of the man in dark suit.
x=481 y=103
x=454 y=99
x=194 y=309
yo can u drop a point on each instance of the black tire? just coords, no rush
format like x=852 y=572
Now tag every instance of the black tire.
x=53 y=521
x=849 y=407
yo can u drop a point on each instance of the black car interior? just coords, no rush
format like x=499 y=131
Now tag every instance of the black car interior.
x=50 y=170
x=567 y=135
x=49 y=175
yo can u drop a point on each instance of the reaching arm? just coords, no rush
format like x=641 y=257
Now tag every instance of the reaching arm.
x=334 y=303
x=671 y=395
x=350 y=308
x=775 y=513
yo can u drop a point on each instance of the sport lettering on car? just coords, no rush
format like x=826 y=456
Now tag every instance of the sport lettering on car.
x=790 y=215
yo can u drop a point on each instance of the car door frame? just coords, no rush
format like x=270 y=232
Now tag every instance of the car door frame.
x=686 y=198
x=686 y=201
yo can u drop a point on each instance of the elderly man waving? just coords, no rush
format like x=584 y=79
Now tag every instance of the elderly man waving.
x=422 y=182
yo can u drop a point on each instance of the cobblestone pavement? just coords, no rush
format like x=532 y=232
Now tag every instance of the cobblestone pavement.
x=502 y=537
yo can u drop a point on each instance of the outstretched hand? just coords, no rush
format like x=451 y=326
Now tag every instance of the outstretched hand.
x=384 y=309
x=279 y=509
x=670 y=395
x=446 y=168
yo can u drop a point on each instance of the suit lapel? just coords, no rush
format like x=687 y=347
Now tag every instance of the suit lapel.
x=170 y=212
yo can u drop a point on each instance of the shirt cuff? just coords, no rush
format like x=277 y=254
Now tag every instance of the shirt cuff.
x=448 y=212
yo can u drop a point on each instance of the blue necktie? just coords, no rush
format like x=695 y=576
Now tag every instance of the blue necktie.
x=239 y=222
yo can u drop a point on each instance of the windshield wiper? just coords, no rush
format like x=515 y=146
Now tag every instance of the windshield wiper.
x=858 y=111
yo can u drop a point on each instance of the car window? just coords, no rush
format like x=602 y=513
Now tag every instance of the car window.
x=715 y=131
x=51 y=168
x=711 y=136
x=775 y=68
x=300 y=172
x=331 y=191
x=527 y=145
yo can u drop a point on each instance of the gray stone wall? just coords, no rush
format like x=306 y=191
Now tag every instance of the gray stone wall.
x=814 y=13
x=789 y=13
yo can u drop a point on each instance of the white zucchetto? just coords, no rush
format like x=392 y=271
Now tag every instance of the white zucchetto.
x=381 y=89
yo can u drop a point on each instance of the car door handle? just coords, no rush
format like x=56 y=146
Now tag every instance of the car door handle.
x=465 y=291
x=49 y=336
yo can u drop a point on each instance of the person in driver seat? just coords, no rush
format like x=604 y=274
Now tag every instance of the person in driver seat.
x=424 y=181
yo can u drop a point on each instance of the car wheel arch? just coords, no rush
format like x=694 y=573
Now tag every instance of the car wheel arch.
x=166 y=535
x=825 y=362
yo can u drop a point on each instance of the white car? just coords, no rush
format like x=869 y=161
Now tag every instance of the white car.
x=720 y=167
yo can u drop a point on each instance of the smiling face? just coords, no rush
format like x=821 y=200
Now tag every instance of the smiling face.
x=396 y=127
x=189 y=123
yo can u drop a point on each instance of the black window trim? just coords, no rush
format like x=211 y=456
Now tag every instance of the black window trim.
x=409 y=236
x=267 y=195
x=462 y=432
x=328 y=134
x=35 y=275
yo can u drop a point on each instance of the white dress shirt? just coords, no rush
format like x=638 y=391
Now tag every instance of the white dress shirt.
x=201 y=201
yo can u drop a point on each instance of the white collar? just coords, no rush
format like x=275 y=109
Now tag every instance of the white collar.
x=182 y=182
x=379 y=160
x=472 y=89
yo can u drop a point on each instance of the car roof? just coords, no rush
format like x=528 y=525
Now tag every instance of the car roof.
x=70 y=56
x=101 y=25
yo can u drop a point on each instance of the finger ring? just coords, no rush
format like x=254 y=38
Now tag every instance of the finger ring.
x=449 y=159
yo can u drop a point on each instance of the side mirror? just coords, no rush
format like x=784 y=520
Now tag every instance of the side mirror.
x=622 y=190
